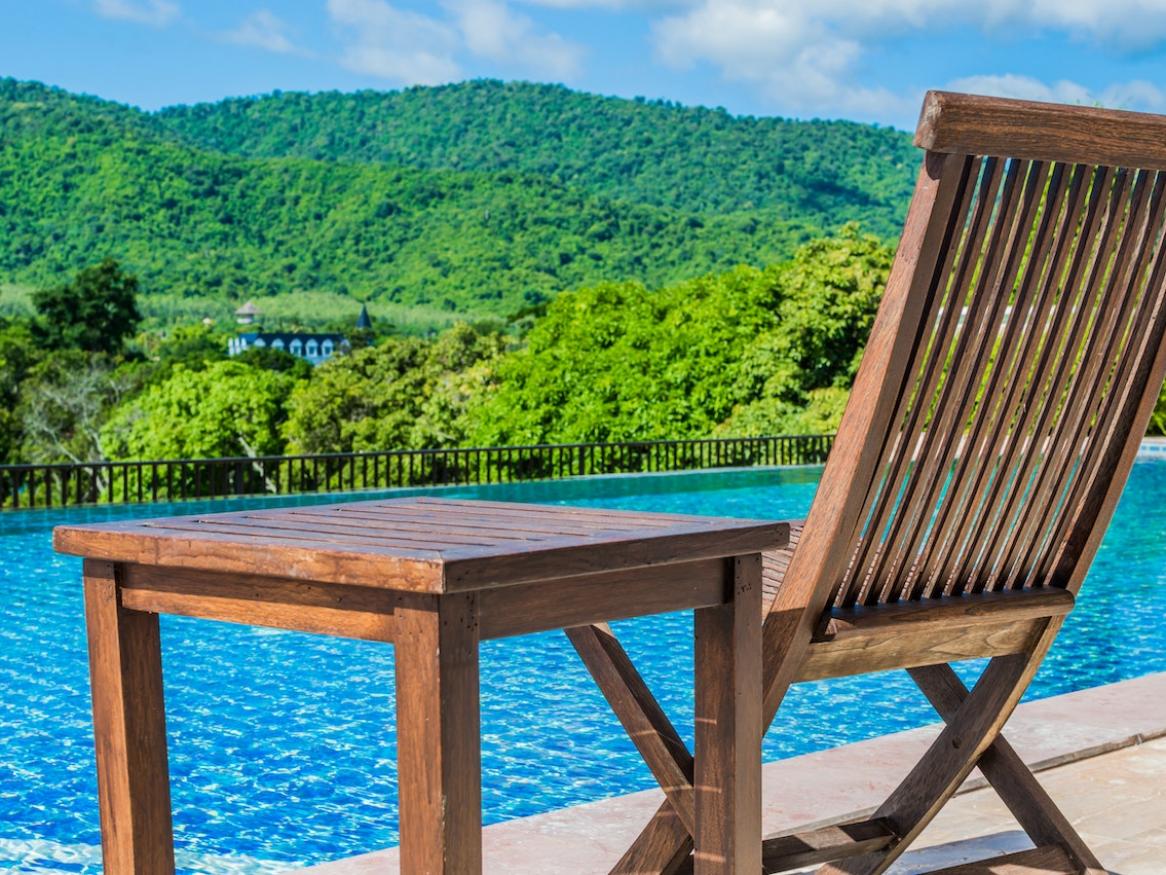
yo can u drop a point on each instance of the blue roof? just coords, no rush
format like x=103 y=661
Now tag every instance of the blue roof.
x=288 y=336
x=363 y=320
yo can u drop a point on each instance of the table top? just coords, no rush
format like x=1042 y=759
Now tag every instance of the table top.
x=421 y=544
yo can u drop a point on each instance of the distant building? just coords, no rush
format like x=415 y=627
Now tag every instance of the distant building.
x=247 y=314
x=363 y=321
x=315 y=348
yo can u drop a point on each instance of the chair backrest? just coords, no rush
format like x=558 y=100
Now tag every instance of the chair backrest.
x=1012 y=368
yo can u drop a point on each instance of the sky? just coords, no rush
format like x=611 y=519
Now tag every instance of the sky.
x=868 y=60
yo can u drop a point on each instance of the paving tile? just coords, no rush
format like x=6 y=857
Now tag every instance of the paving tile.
x=1127 y=858
x=1116 y=798
x=1124 y=820
x=966 y=851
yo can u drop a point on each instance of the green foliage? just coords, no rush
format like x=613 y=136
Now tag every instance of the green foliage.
x=403 y=393
x=17 y=356
x=654 y=152
x=360 y=401
x=192 y=346
x=95 y=312
x=64 y=400
x=225 y=409
x=277 y=360
x=472 y=206
x=797 y=375
x=619 y=362
x=748 y=352
x=1158 y=417
x=16 y=301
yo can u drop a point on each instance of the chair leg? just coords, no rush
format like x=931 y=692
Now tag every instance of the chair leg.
x=665 y=844
x=953 y=755
x=663 y=847
x=1012 y=780
x=971 y=738
x=642 y=717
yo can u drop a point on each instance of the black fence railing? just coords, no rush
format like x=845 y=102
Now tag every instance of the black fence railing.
x=177 y=479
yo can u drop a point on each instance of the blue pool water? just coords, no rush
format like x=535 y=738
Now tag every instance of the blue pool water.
x=282 y=747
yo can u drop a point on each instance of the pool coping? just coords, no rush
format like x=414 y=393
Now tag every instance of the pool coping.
x=1152 y=448
x=814 y=789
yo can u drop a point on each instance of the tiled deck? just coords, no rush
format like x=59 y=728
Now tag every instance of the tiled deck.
x=1096 y=750
x=1116 y=800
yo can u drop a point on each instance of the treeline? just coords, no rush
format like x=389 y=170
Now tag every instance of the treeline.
x=747 y=351
x=481 y=199
x=691 y=159
x=741 y=353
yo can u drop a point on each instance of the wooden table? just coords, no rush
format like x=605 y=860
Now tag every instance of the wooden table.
x=433 y=577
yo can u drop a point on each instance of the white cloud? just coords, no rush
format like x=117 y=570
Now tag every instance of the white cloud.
x=265 y=30
x=398 y=45
x=1125 y=23
x=153 y=12
x=793 y=57
x=411 y=48
x=1022 y=87
x=1136 y=94
x=493 y=31
x=1119 y=23
x=644 y=5
x=803 y=54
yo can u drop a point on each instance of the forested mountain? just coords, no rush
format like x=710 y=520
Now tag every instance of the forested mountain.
x=459 y=197
x=687 y=158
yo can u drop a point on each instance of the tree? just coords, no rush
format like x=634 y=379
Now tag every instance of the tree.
x=458 y=369
x=403 y=393
x=17 y=357
x=745 y=352
x=362 y=401
x=64 y=402
x=280 y=360
x=1158 y=419
x=192 y=346
x=226 y=409
x=483 y=198
x=618 y=361
x=795 y=378
x=95 y=312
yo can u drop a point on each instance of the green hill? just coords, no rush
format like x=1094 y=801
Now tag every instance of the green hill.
x=449 y=198
x=686 y=158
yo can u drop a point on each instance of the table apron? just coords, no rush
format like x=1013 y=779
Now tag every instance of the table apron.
x=372 y=614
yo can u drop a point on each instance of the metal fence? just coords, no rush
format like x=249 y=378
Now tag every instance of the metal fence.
x=177 y=479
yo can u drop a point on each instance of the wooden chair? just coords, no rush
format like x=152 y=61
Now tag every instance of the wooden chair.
x=1009 y=376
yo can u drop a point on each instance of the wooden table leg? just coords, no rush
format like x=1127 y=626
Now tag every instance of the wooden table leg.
x=728 y=728
x=129 y=725
x=439 y=766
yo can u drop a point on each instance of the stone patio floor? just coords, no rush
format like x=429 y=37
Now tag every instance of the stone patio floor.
x=1117 y=801
x=1101 y=754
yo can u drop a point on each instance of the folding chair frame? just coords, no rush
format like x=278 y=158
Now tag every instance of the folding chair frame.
x=1012 y=368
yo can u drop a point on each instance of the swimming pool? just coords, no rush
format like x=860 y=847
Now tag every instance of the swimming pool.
x=282 y=747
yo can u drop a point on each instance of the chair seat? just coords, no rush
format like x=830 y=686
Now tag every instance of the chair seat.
x=775 y=563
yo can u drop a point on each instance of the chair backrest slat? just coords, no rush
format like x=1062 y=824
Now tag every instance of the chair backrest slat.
x=1030 y=311
x=1075 y=235
x=1016 y=365
x=992 y=474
